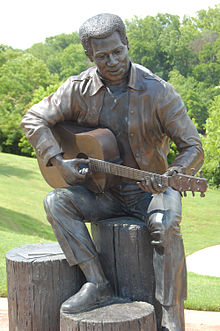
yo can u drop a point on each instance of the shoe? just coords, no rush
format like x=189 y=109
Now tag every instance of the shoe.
x=90 y=296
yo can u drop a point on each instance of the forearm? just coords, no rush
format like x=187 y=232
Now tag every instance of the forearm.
x=190 y=158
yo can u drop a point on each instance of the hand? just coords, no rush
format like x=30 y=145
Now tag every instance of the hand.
x=152 y=186
x=70 y=169
x=175 y=170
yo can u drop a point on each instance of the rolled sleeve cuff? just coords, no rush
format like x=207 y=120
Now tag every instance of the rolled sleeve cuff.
x=47 y=148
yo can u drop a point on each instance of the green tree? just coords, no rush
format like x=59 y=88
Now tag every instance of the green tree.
x=73 y=61
x=20 y=76
x=211 y=144
x=196 y=96
x=54 y=51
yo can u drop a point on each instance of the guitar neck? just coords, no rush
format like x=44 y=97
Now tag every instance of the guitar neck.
x=179 y=182
x=123 y=171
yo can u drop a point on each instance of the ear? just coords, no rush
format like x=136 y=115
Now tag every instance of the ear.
x=89 y=56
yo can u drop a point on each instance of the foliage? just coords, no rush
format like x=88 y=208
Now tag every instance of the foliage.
x=73 y=61
x=211 y=144
x=20 y=75
x=63 y=54
x=196 y=96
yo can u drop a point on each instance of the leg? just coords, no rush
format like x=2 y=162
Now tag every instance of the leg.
x=67 y=209
x=168 y=258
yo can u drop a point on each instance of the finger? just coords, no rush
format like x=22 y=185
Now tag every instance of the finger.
x=158 y=188
x=141 y=186
x=149 y=186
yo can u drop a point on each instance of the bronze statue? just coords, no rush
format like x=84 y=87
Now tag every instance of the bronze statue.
x=143 y=112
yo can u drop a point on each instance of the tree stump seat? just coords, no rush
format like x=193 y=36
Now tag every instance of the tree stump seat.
x=39 y=280
x=131 y=316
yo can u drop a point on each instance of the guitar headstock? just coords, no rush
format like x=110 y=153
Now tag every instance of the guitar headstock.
x=184 y=183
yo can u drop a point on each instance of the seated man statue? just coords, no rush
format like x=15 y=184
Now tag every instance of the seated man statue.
x=143 y=112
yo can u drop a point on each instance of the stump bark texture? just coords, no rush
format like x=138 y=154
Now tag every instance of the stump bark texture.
x=133 y=316
x=126 y=254
x=39 y=280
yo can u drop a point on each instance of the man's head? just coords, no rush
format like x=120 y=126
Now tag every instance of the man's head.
x=99 y=27
x=105 y=43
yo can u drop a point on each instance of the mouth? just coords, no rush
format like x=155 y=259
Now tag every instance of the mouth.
x=114 y=71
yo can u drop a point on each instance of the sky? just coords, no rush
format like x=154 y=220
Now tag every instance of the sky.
x=25 y=22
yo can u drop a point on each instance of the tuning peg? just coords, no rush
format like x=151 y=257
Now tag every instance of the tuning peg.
x=200 y=173
x=202 y=194
x=185 y=195
x=193 y=171
x=193 y=193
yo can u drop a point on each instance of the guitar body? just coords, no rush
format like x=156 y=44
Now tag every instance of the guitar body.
x=83 y=143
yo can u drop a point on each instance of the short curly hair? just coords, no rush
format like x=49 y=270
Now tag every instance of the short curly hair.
x=101 y=26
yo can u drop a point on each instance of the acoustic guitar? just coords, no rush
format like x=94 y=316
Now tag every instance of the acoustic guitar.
x=100 y=147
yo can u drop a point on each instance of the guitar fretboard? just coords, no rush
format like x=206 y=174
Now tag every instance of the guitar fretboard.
x=96 y=165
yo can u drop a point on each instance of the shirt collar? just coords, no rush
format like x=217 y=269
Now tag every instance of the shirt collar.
x=135 y=80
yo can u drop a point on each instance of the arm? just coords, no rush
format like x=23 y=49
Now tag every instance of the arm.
x=37 y=125
x=39 y=120
x=176 y=124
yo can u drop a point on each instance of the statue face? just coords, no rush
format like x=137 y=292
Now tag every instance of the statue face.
x=111 y=57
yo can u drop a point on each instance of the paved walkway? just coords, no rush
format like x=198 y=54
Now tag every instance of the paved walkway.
x=205 y=262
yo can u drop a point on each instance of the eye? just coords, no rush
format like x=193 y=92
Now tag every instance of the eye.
x=100 y=57
x=118 y=51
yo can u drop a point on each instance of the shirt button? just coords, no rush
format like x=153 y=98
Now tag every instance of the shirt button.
x=132 y=111
x=131 y=134
x=137 y=154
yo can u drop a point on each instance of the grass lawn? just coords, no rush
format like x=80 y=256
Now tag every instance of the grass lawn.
x=23 y=221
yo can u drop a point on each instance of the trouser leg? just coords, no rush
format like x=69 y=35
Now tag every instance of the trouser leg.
x=67 y=209
x=173 y=317
x=169 y=260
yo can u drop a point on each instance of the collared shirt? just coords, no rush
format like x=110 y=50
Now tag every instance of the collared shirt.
x=156 y=114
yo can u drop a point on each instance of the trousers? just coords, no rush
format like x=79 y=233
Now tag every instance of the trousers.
x=68 y=209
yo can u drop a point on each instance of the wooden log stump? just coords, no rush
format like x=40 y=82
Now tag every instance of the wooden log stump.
x=131 y=316
x=126 y=255
x=39 y=280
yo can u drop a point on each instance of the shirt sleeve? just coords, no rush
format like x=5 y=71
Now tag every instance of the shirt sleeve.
x=38 y=121
x=177 y=125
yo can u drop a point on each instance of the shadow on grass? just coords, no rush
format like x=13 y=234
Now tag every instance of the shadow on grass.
x=11 y=221
x=7 y=170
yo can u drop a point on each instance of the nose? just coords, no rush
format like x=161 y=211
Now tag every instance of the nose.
x=112 y=60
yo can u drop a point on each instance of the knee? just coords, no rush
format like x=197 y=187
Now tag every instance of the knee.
x=50 y=202
x=55 y=200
